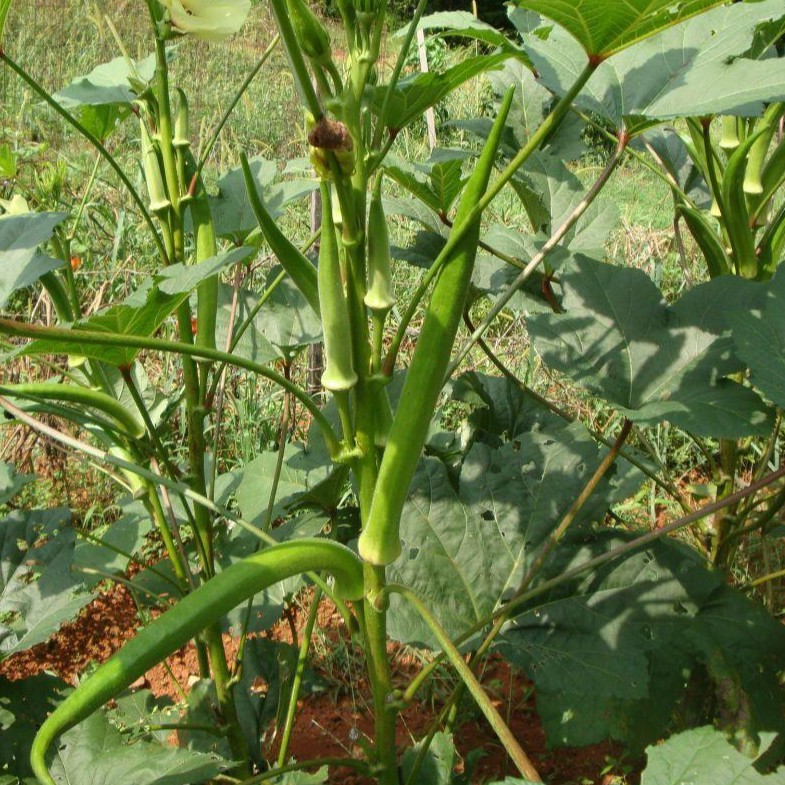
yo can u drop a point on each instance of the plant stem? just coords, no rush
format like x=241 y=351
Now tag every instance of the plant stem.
x=297 y=681
x=554 y=240
x=515 y=751
x=60 y=335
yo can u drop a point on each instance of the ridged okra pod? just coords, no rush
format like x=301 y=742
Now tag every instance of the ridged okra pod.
x=380 y=539
x=379 y=295
x=339 y=374
x=188 y=618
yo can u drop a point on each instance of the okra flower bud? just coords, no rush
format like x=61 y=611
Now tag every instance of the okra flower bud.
x=330 y=136
x=313 y=38
x=379 y=296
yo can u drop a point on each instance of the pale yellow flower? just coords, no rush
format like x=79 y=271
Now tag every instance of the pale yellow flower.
x=210 y=20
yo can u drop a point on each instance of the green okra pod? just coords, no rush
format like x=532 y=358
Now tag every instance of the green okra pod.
x=339 y=373
x=296 y=264
x=729 y=139
x=187 y=619
x=380 y=539
x=159 y=200
x=707 y=239
x=379 y=296
x=756 y=158
x=737 y=216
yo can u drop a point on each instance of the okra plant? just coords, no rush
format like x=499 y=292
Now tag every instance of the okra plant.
x=494 y=539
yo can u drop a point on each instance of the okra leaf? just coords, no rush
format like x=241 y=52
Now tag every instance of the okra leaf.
x=284 y=324
x=437 y=768
x=604 y=27
x=481 y=535
x=302 y=470
x=232 y=213
x=702 y=67
x=623 y=343
x=759 y=335
x=466 y=25
x=11 y=482
x=93 y=753
x=414 y=94
x=143 y=312
x=21 y=264
x=437 y=182
x=24 y=705
x=125 y=536
x=611 y=655
x=38 y=590
x=703 y=755
x=117 y=82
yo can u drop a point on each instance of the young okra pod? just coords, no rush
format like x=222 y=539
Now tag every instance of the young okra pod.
x=379 y=296
x=380 y=539
x=159 y=200
x=339 y=374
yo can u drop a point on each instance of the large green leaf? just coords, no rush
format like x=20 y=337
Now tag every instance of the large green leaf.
x=466 y=548
x=604 y=27
x=704 y=66
x=611 y=656
x=117 y=82
x=93 y=753
x=123 y=538
x=231 y=210
x=20 y=262
x=11 y=482
x=38 y=591
x=143 y=312
x=24 y=705
x=703 y=755
x=759 y=336
x=618 y=339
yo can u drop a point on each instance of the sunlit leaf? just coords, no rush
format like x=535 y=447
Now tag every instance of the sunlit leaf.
x=603 y=27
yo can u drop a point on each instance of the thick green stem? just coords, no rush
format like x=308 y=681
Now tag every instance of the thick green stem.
x=374 y=625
